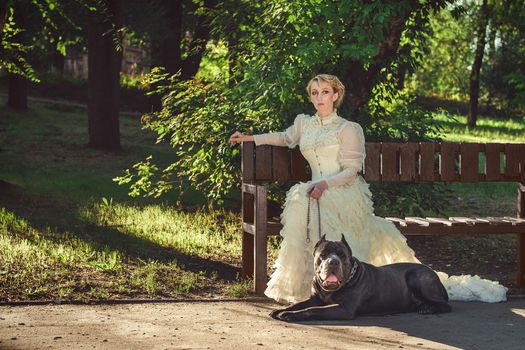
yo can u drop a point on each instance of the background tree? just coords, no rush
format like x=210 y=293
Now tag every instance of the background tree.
x=104 y=61
x=27 y=26
x=17 y=87
x=483 y=21
x=447 y=65
x=503 y=75
x=176 y=33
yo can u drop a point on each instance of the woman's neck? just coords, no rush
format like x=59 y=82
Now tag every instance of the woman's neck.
x=325 y=115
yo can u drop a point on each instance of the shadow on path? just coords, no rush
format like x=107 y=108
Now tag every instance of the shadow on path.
x=470 y=325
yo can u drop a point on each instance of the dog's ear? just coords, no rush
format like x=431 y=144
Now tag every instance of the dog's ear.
x=343 y=240
x=323 y=239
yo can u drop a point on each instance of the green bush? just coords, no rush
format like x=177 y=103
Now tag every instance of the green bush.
x=264 y=89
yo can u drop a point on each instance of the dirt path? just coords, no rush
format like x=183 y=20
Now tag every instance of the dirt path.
x=246 y=325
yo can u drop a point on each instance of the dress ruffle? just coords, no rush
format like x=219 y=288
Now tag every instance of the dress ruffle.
x=348 y=210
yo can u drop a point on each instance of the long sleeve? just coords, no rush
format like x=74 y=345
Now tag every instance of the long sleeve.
x=351 y=155
x=290 y=137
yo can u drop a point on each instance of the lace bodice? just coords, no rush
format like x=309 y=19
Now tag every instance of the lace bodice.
x=334 y=147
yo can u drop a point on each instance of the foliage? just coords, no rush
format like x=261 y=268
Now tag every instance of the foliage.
x=446 y=63
x=31 y=27
x=504 y=73
x=274 y=48
x=196 y=120
x=13 y=52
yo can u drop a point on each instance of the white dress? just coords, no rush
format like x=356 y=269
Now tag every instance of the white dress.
x=335 y=149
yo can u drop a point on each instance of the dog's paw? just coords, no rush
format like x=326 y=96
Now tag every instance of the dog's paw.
x=287 y=316
x=275 y=313
x=425 y=309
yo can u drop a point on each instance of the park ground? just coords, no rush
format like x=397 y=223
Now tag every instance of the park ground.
x=246 y=325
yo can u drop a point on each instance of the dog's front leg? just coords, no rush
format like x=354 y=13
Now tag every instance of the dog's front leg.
x=328 y=312
x=313 y=301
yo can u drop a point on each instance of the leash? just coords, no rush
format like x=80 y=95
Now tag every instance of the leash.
x=308 y=219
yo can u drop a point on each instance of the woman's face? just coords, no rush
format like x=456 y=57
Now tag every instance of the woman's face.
x=323 y=97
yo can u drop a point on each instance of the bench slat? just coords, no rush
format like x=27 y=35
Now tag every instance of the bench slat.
x=263 y=163
x=467 y=221
x=513 y=157
x=442 y=221
x=460 y=229
x=498 y=221
x=417 y=220
x=427 y=166
x=448 y=161
x=408 y=153
x=389 y=161
x=515 y=221
x=248 y=163
x=482 y=220
x=469 y=156
x=373 y=162
x=493 y=161
x=280 y=164
x=399 y=221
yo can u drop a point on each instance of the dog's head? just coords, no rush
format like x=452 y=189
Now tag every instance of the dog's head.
x=332 y=263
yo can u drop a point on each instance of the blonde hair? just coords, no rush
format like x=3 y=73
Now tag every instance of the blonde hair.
x=334 y=82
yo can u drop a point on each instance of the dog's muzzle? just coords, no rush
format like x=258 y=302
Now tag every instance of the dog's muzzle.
x=330 y=279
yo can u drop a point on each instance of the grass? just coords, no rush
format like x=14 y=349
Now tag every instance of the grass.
x=510 y=130
x=67 y=231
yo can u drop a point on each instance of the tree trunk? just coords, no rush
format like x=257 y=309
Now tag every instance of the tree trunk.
x=58 y=62
x=491 y=59
x=18 y=85
x=190 y=65
x=3 y=18
x=361 y=81
x=17 y=96
x=104 y=62
x=476 y=65
x=170 y=49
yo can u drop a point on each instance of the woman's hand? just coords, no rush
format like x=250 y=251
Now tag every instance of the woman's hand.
x=239 y=137
x=316 y=189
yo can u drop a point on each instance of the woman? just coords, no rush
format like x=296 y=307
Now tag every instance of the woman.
x=335 y=149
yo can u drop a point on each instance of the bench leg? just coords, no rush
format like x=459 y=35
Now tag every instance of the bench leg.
x=521 y=236
x=521 y=260
x=247 y=255
x=260 y=259
x=261 y=266
x=248 y=200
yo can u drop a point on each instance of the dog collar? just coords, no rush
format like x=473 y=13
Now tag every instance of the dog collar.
x=355 y=264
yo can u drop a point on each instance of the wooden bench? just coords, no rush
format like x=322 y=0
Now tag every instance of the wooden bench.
x=385 y=162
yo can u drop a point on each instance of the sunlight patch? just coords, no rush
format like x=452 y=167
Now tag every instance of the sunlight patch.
x=520 y=312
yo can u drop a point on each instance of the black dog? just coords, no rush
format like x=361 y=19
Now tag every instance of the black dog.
x=344 y=287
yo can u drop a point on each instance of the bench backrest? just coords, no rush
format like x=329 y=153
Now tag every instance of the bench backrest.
x=394 y=162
